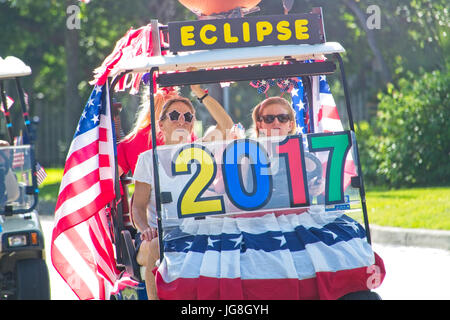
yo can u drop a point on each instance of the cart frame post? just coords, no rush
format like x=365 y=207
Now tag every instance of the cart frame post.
x=155 y=162
x=360 y=181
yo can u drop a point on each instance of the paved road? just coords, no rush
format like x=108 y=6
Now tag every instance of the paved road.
x=412 y=273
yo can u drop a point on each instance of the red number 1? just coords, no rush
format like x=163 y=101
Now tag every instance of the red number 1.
x=291 y=149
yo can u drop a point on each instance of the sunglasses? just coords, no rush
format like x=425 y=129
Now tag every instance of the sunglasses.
x=175 y=116
x=269 y=118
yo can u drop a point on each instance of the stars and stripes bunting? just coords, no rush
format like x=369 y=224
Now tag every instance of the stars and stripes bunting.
x=274 y=256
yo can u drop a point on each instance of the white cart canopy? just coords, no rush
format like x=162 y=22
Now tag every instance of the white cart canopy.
x=12 y=67
x=228 y=57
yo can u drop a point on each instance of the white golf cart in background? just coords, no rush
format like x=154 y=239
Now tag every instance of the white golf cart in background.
x=23 y=270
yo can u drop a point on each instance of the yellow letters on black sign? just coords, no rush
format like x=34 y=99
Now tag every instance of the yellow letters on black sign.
x=244 y=32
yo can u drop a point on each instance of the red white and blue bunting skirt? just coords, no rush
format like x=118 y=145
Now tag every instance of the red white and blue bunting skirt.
x=306 y=254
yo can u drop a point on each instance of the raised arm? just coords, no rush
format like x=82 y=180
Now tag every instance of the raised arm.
x=222 y=118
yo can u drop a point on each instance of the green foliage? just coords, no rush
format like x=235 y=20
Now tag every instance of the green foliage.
x=369 y=155
x=413 y=37
x=48 y=190
x=410 y=142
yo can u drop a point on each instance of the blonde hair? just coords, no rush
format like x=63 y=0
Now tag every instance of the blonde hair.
x=143 y=116
x=267 y=102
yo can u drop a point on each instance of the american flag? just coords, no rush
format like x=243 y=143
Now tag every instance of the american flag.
x=41 y=174
x=323 y=118
x=9 y=103
x=18 y=159
x=81 y=249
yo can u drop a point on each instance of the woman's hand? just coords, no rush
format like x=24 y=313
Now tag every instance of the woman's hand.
x=197 y=90
x=149 y=233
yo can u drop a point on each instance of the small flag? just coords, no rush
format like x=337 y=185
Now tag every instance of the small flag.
x=18 y=159
x=9 y=103
x=41 y=174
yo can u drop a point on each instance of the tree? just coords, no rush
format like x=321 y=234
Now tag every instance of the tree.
x=413 y=37
x=353 y=6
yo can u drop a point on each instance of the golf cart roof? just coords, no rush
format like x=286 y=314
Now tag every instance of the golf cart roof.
x=228 y=57
x=12 y=67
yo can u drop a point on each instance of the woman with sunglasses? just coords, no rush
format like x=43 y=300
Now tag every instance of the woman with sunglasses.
x=176 y=123
x=279 y=253
x=139 y=138
x=275 y=117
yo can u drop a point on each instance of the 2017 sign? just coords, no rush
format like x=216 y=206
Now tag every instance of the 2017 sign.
x=245 y=32
x=250 y=175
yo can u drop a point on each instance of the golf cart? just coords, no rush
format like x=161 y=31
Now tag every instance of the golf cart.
x=241 y=50
x=23 y=270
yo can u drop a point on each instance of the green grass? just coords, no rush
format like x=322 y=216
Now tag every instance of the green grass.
x=427 y=208
x=48 y=190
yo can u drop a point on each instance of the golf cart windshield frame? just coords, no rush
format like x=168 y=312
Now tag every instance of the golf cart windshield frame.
x=33 y=189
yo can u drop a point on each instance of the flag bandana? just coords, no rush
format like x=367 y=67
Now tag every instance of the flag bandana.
x=81 y=249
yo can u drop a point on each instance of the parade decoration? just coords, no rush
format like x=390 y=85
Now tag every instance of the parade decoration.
x=278 y=170
x=262 y=219
x=135 y=43
x=82 y=250
x=246 y=32
x=234 y=230
x=263 y=86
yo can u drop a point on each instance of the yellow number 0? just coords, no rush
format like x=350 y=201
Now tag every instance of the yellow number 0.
x=190 y=202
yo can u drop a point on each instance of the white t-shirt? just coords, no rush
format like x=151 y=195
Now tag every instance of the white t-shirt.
x=144 y=173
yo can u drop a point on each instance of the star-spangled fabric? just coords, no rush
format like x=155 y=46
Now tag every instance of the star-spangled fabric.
x=298 y=254
x=307 y=254
x=299 y=106
x=324 y=117
x=81 y=249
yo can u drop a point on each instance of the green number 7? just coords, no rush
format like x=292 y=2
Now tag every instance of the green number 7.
x=338 y=143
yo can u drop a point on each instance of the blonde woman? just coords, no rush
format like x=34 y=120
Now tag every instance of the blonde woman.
x=139 y=138
x=176 y=124
x=274 y=117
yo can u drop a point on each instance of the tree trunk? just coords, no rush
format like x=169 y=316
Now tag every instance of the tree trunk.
x=385 y=72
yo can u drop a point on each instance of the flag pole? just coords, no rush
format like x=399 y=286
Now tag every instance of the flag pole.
x=116 y=211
